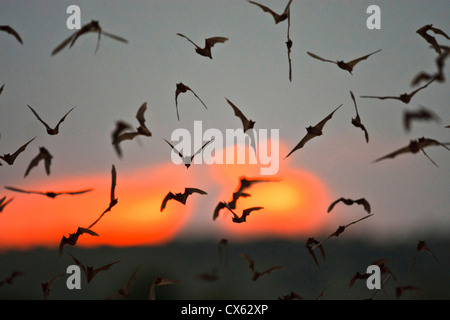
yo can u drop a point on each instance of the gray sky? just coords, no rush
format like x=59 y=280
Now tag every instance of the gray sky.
x=408 y=194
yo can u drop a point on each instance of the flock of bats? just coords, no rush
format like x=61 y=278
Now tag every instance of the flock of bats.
x=122 y=133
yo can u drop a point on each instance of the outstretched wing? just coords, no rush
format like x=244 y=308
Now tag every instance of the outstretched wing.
x=189 y=191
x=247 y=212
x=39 y=118
x=168 y=197
x=12 y=32
x=182 y=35
x=239 y=114
x=354 y=62
x=394 y=154
x=23 y=191
x=63 y=118
x=322 y=123
x=63 y=44
x=315 y=56
x=210 y=42
x=114 y=37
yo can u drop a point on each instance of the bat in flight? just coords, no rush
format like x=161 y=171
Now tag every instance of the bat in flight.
x=277 y=17
x=49 y=194
x=289 y=44
x=160 y=282
x=422 y=246
x=365 y=275
x=46 y=286
x=187 y=160
x=245 y=213
x=142 y=130
x=90 y=272
x=50 y=131
x=423 y=32
x=180 y=197
x=291 y=296
x=182 y=88
x=12 y=32
x=246 y=123
x=209 y=43
x=310 y=242
x=313 y=132
x=357 y=120
x=73 y=238
x=1 y=88
x=11 y=278
x=118 y=135
x=405 y=97
x=93 y=26
x=125 y=291
x=10 y=158
x=256 y=274
x=439 y=76
x=421 y=114
x=349 y=202
x=43 y=155
x=414 y=147
x=344 y=65
x=3 y=203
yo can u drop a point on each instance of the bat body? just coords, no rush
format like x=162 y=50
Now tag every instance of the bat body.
x=421 y=114
x=277 y=17
x=73 y=238
x=187 y=160
x=12 y=32
x=10 y=158
x=209 y=43
x=246 y=123
x=3 y=203
x=50 y=131
x=423 y=32
x=348 y=66
x=256 y=274
x=182 y=88
x=49 y=194
x=313 y=132
x=357 y=120
x=349 y=202
x=43 y=155
x=91 y=272
x=180 y=197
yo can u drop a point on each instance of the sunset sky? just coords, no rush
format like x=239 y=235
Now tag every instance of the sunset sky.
x=408 y=194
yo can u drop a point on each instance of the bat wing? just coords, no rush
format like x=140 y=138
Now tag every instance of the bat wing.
x=35 y=162
x=126 y=136
x=302 y=142
x=271 y=270
x=3 y=205
x=250 y=261
x=199 y=150
x=440 y=32
x=81 y=231
x=23 y=191
x=182 y=35
x=421 y=88
x=168 y=197
x=198 y=97
x=12 y=32
x=114 y=37
x=315 y=56
x=210 y=42
x=141 y=119
x=381 y=98
x=1 y=88
x=354 y=62
x=175 y=149
x=275 y=15
x=394 y=154
x=160 y=282
x=63 y=118
x=63 y=44
x=322 y=123
x=220 y=206
x=365 y=204
x=39 y=118
x=239 y=114
x=358 y=220
x=76 y=192
x=334 y=203
x=247 y=212
x=20 y=150
x=113 y=183
x=189 y=191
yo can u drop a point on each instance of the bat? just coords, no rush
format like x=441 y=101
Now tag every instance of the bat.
x=357 y=120
x=313 y=132
x=245 y=213
x=1 y=88
x=12 y=32
x=447 y=126
x=430 y=39
x=118 y=136
x=421 y=114
x=10 y=158
x=113 y=200
x=160 y=282
x=180 y=197
x=405 y=97
x=209 y=43
x=349 y=202
x=311 y=241
x=291 y=296
x=208 y=276
x=439 y=76
x=3 y=203
x=246 y=123
x=422 y=246
x=256 y=274
x=125 y=290
x=46 y=286
x=90 y=272
x=365 y=275
x=182 y=88
x=289 y=44
x=44 y=155
x=399 y=290
x=414 y=147
x=50 y=131
x=11 y=278
x=93 y=26
x=49 y=194
x=320 y=295
x=341 y=64
x=277 y=17
x=222 y=205
x=187 y=160
x=73 y=238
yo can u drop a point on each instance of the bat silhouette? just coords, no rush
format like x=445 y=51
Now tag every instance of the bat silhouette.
x=180 y=197
x=245 y=213
x=10 y=158
x=357 y=120
x=11 y=278
x=90 y=272
x=246 y=123
x=73 y=238
x=423 y=32
x=209 y=43
x=44 y=155
x=447 y=126
x=365 y=275
x=277 y=17
x=414 y=147
x=405 y=97
x=289 y=46
x=182 y=88
x=93 y=26
x=160 y=282
x=12 y=32
x=349 y=202
x=3 y=203
x=49 y=194
x=439 y=76
x=119 y=136
x=291 y=296
x=309 y=243
x=187 y=160
x=1 y=88
x=208 y=276
x=46 y=286
x=125 y=291
x=422 y=246
x=421 y=114
x=400 y=290
x=344 y=65
x=256 y=274
x=313 y=132
x=50 y=131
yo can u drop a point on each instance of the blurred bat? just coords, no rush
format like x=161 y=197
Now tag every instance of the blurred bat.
x=49 y=194
x=405 y=97
x=1 y=88
x=313 y=132
x=125 y=290
x=349 y=202
x=160 y=282
x=181 y=88
x=422 y=246
x=180 y=197
x=93 y=26
x=47 y=285
x=208 y=276
x=291 y=296
x=209 y=43
x=10 y=158
x=357 y=120
x=12 y=32
x=142 y=130
x=308 y=245
x=439 y=76
x=2 y=204
x=187 y=160
x=421 y=114
x=414 y=147
x=222 y=205
x=365 y=275
x=289 y=46
x=244 y=215
x=256 y=274
x=246 y=123
x=447 y=126
x=277 y=17
x=344 y=65
x=320 y=295
x=90 y=272
x=400 y=290
x=73 y=238
x=430 y=39
x=50 y=131
x=11 y=278
x=118 y=136
x=43 y=154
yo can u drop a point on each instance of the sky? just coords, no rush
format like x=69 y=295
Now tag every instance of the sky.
x=408 y=194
